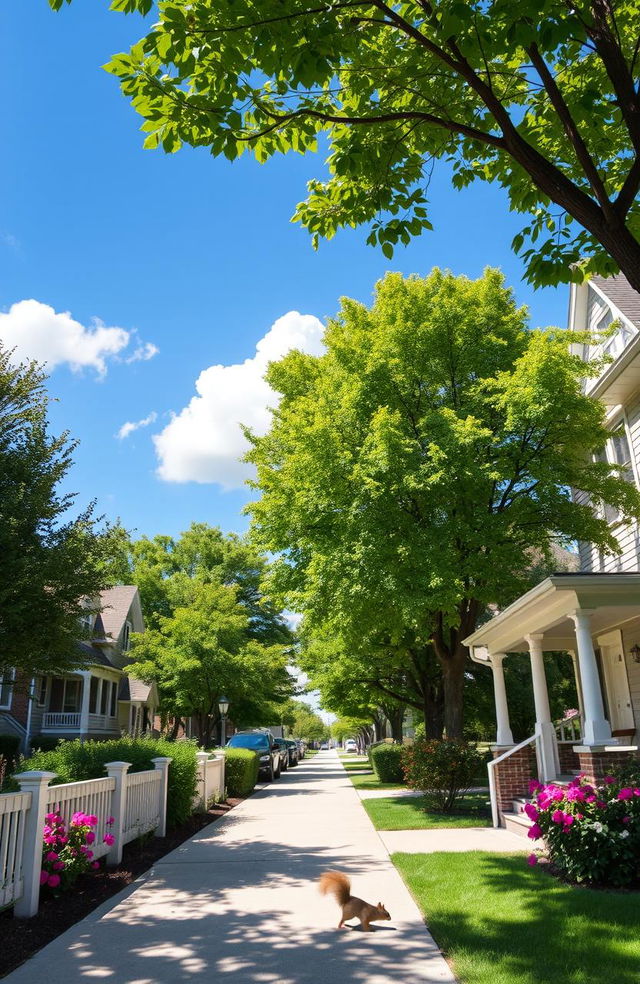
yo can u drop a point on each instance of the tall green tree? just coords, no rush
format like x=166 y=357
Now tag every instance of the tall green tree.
x=50 y=560
x=409 y=471
x=539 y=97
x=308 y=724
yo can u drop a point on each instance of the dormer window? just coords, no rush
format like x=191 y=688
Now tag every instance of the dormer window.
x=126 y=637
x=86 y=624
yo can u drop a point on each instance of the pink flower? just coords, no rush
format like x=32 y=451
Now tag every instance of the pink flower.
x=50 y=840
x=95 y=865
x=625 y=794
x=558 y=816
x=92 y=820
x=575 y=794
x=534 y=832
x=79 y=819
x=600 y=804
x=626 y=819
x=636 y=792
x=109 y=839
x=90 y=837
x=109 y=821
x=534 y=786
x=532 y=860
x=591 y=799
x=50 y=817
x=44 y=877
x=58 y=866
x=568 y=821
x=51 y=856
x=531 y=811
x=53 y=881
x=608 y=780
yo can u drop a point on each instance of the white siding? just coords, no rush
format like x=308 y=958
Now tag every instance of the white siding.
x=631 y=637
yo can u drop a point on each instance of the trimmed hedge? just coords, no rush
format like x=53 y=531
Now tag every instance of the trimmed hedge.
x=442 y=768
x=77 y=760
x=240 y=770
x=45 y=743
x=386 y=761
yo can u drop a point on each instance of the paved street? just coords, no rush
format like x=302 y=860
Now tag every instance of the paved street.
x=241 y=899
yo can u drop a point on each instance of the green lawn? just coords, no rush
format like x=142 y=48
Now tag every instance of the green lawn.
x=500 y=922
x=412 y=813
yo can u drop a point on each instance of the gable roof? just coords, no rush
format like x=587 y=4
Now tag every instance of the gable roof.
x=115 y=604
x=622 y=295
x=132 y=689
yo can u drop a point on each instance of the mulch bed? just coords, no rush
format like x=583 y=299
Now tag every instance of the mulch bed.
x=20 y=939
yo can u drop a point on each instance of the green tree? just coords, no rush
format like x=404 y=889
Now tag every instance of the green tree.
x=309 y=725
x=205 y=649
x=410 y=471
x=539 y=97
x=49 y=561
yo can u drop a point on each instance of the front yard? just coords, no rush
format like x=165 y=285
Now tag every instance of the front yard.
x=501 y=922
x=415 y=813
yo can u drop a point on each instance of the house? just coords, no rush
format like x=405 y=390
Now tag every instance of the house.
x=98 y=701
x=593 y=614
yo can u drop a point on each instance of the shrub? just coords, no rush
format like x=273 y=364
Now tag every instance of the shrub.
x=66 y=849
x=444 y=769
x=240 y=770
x=591 y=834
x=76 y=760
x=9 y=751
x=386 y=761
x=45 y=743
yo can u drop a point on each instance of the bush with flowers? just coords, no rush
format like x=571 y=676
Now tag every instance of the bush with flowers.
x=444 y=769
x=67 y=848
x=591 y=833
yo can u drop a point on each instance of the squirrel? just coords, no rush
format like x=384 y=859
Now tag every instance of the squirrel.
x=338 y=885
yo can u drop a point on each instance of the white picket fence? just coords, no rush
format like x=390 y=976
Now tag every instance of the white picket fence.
x=137 y=804
x=210 y=783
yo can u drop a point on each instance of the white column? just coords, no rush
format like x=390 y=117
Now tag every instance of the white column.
x=36 y=783
x=576 y=674
x=596 y=728
x=162 y=764
x=84 y=707
x=117 y=771
x=202 y=759
x=504 y=735
x=548 y=753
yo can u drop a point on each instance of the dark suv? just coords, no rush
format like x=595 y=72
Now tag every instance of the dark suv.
x=261 y=742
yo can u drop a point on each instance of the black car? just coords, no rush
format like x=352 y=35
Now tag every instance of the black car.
x=264 y=744
x=290 y=747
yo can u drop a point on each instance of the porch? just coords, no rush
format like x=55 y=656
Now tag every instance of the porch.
x=595 y=619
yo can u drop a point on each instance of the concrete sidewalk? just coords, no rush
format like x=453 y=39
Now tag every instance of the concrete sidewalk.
x=240 y=899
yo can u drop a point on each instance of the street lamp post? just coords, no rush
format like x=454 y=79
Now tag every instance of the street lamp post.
x=223 y=707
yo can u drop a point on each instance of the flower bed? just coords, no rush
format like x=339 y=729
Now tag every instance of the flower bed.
x=591 y=833
x=67 y=850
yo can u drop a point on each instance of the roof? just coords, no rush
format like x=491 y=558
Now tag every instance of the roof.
x=620 y=292
x=93 y=655
x=132 y=689
x=115 y=604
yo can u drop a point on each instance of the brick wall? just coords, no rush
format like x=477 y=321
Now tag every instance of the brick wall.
x=512 y=776
x=598 y=764
x=20 y=699
x=569 y=761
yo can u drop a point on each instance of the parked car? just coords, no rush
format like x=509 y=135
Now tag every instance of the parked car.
x=284 y=753
x=262 y=742
x=350 y=745
x=292 y=748
x=324 y=746
x=301 y=748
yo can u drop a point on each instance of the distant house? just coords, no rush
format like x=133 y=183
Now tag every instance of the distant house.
x=99 y=701
x=592 y=614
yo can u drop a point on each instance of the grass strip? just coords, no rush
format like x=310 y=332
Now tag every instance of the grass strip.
x=418 y=813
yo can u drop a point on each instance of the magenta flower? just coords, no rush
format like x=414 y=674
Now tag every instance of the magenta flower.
x=531 y=811
x=532 y=860
x=51 y=856
x=53 y=881
x=626 y=819
x=534 y=832
x=95 y=865
x=575 y=794
x=109 y=821
x=600 y=804
x=625 y=794
x=109 y=839
x=79 y=819
x=608 y=780
x=636 y=792
x=90 y=837
x=58 y=866
x=50 y=817
x=568 y=820
x=534 y=786
x=44 y=877
x=591 y=799
x=91 y=819
x=558 y=816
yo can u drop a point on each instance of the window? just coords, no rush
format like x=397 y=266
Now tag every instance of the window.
x=114 y=695
x=126 y=637
x=40 y=691
x=7 y=679
x=620 y=452
x=65 y=695
x=93 y=695
x=86 y=624
x=104 y=697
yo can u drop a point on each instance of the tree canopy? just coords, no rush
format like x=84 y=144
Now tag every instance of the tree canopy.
x=410 y=471
x=539 y=97
x=50 y=561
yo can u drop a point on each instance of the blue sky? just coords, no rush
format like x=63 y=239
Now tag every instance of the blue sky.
x=191 y=256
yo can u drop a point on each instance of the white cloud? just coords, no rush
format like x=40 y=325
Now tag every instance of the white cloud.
x=204 y=442
x=37 y=331
x=130 y=426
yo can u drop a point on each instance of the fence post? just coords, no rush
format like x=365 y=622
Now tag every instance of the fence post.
x=162 y=764
x=221 y=777
x=117 y=771
x=36 y=783
x=203 y=758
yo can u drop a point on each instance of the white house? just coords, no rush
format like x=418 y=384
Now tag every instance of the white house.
x=593 y=614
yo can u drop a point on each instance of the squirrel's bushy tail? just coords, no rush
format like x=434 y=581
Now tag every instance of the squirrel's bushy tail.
x=337 y=884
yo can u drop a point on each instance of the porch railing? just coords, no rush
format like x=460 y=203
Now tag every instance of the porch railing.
x=61 y=719
x=491 y=766
x=569 y=728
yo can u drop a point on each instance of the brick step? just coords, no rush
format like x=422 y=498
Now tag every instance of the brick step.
x=517 y=823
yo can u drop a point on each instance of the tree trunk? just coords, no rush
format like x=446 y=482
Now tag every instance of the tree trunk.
x=395 y=717
x=453 y=673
